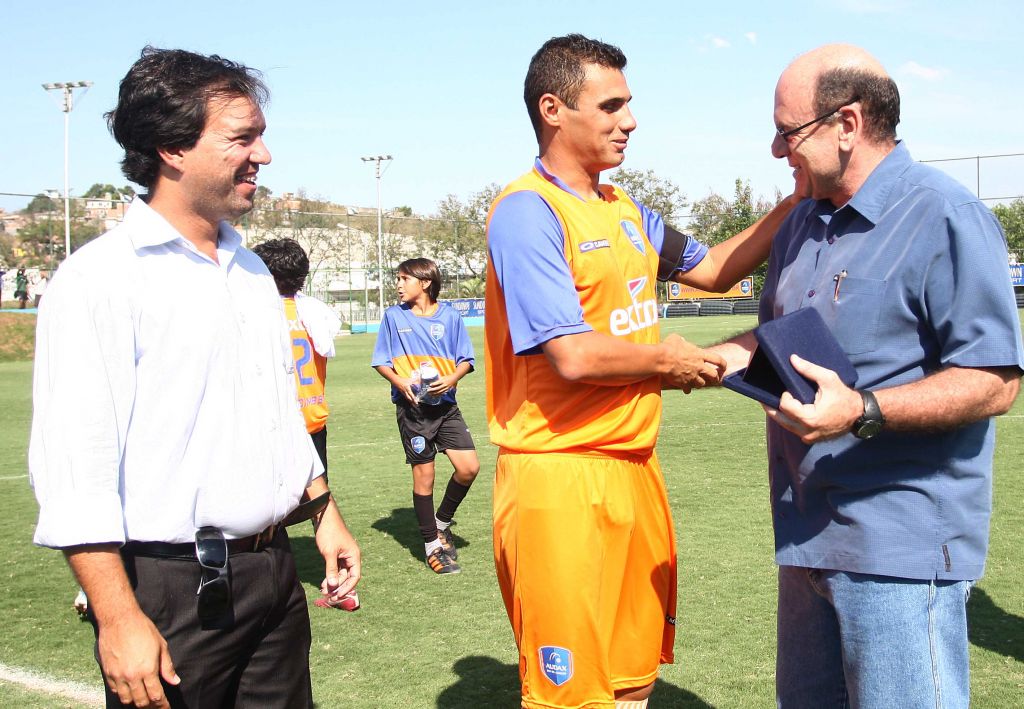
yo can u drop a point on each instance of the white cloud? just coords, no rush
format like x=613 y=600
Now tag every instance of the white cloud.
x=920 y=71
x=719 y=43
x=751 y=37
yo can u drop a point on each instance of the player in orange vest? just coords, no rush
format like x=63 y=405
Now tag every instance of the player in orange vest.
x=313 y=327
x=575 y=365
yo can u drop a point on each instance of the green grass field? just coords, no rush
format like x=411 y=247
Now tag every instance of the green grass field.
x=423 y=641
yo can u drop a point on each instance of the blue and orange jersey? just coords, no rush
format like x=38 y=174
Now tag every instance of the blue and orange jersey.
x=310 y=371
x=560 y=265
x=406 y=340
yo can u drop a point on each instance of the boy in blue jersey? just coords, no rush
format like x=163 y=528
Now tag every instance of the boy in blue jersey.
x=422 y=340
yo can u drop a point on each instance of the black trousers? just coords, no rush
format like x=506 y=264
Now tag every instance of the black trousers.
x=257 y=657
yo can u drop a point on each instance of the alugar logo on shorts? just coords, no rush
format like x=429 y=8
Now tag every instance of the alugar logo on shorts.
x=556 y=664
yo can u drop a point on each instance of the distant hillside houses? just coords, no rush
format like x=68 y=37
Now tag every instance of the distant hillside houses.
x=343 y=259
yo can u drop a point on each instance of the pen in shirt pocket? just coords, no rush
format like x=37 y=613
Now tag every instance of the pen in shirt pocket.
x=838 y=278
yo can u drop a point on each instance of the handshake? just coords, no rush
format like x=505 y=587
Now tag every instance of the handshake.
x=688 y=367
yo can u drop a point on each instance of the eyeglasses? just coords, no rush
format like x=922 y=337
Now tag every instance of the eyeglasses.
x=785 y=134
x=214 y=589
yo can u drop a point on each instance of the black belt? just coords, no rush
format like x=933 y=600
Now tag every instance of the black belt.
x=187 y=550
x=252 y=543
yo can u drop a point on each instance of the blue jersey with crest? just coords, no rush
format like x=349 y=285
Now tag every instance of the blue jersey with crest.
x=406 y=340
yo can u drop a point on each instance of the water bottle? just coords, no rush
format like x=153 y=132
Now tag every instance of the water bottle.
x=428 y=375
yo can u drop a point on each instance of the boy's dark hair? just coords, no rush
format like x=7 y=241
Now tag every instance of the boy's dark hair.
x=287 y=262
x=425 y=270
x=559 y=68
x=162 y=104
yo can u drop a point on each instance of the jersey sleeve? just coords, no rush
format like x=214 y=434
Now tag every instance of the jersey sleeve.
x=382 y=351
x=526 y=246
x=463 y=345
x=654 y=227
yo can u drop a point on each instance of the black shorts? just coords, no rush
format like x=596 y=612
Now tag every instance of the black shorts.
x=425 y=430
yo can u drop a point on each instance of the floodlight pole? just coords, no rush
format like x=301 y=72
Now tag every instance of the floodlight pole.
x=380 y=231
x=68 y=89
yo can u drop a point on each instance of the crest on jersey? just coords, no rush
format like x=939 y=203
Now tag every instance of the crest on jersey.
x=437 y=331
x=634 y=234
x=556 y=664
x=636 y=286
x=418 y=443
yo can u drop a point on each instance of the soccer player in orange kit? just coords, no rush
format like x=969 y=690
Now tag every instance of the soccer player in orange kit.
x=583 y=538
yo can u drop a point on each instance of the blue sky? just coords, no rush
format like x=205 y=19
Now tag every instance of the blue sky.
x=439 y=86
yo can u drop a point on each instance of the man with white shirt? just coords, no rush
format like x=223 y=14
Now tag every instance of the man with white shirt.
x=166 y=447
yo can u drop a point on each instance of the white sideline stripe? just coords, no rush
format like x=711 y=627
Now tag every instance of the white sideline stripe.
x=36 y=682
x=15 y=477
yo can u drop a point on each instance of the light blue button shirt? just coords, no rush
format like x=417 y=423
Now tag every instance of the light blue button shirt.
x=911 y=276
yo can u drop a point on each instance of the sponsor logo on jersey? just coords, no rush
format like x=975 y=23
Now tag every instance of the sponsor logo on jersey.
x=437 y=330
x=556 y=664
x=418 y=443
x=634 y=234
x=591 y=245
x=403 y=330
x=636 y=286
x=639 y=315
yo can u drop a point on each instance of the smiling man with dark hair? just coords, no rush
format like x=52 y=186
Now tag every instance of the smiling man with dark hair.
x=583 y=539
x=167 y=452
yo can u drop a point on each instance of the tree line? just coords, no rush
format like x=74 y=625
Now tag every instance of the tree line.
x=454 y=235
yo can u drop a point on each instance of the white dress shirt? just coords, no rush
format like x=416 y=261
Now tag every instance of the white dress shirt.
x=164 y=392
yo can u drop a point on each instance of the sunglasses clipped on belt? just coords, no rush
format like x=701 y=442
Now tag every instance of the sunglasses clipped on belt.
x=214 y=588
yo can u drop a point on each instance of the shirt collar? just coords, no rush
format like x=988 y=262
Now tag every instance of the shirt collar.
x=149 y=228
x=557 y=181
x=870 y=200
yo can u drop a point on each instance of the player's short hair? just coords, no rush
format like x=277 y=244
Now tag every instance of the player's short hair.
x=879 y=98
x=559 y=68
x=287 y=262
x=425 y=270
x=163 y=100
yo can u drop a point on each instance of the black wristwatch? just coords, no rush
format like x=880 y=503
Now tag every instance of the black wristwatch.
x=871 y=421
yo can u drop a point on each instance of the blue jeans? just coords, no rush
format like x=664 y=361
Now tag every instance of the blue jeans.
x=858 y=641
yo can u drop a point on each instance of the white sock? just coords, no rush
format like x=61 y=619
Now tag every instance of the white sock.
x=441 y=526
x=433 y=546
x=642 y=704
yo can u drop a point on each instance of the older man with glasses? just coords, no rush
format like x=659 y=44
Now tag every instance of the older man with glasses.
x=881 y=492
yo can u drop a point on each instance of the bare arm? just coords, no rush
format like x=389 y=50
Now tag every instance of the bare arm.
x=736 y=351
x=445 y=383
x=133 y=654
x=596 y=358
x=943 y=401
x=402 y=384
x=341 y=553
x=728 y=262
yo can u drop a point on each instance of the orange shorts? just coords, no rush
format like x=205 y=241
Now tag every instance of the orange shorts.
x=586 y=560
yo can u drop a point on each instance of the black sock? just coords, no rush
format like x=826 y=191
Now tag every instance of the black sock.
x=424 y=508
x=454 y=494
